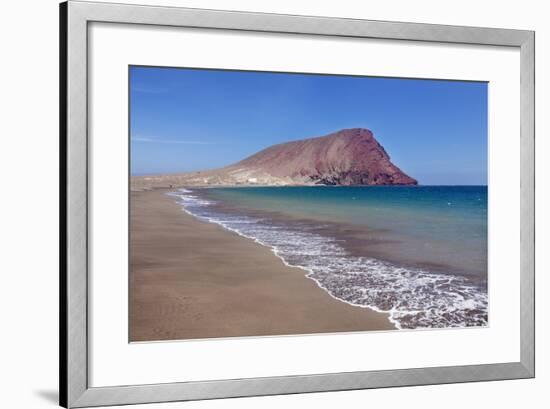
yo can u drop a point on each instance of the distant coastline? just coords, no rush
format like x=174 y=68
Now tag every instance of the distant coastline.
x=346 y=157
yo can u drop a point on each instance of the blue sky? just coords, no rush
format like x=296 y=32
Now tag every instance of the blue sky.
x=184 y=119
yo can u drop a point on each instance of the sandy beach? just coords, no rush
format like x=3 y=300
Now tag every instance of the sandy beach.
x=191 y=279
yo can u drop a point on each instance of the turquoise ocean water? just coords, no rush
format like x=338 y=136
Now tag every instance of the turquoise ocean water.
x=419 y=253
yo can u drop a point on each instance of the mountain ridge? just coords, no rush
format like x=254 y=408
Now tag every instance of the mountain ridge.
x=346 y=157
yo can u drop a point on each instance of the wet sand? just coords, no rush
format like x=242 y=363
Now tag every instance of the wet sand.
x=191 y=279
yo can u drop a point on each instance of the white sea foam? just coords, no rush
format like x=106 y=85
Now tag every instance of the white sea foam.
x=414 y=298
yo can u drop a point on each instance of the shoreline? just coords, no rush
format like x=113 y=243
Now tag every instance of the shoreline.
x=378 y=242
x=307 y=273
x=192 y=279
x=358 y=277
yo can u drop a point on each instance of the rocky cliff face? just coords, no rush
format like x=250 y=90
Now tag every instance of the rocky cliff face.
x=346 y=157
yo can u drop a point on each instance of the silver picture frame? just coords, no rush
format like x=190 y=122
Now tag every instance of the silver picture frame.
x=75 y=17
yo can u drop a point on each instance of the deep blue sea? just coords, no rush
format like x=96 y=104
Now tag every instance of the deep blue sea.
x=419 y=252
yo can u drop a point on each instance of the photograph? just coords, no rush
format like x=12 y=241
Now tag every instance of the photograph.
x=274 y=203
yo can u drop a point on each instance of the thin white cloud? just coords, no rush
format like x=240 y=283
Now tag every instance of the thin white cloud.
x=183 y=142
x=147 y=90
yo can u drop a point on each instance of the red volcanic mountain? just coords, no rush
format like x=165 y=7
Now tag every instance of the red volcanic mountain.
x=346 y=157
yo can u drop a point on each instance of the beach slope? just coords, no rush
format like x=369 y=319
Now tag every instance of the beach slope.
x=191 y=279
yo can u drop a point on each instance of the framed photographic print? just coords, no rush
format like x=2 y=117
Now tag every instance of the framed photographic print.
x=258 y=204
